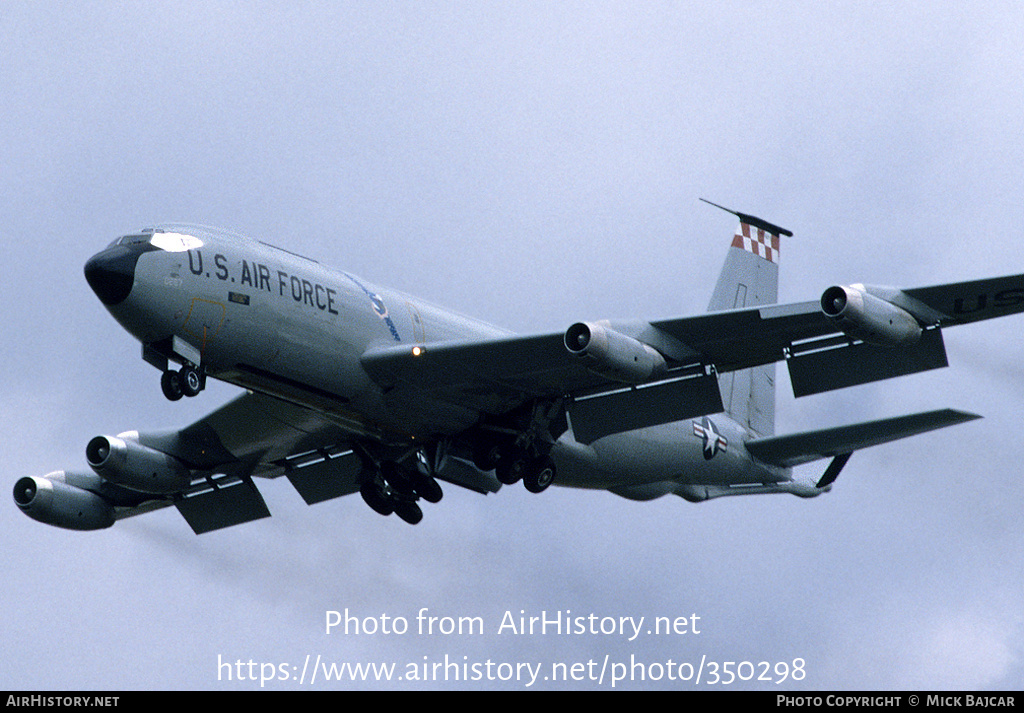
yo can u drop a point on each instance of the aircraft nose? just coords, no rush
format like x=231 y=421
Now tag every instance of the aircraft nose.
x=111 y=273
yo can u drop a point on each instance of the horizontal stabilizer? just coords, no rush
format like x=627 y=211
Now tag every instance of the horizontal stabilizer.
x=799 y=448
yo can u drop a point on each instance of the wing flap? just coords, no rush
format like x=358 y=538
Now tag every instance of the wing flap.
x=222 y=505
x=327 y=479
x=853 y=363
x=639 y=407
x=799 y=448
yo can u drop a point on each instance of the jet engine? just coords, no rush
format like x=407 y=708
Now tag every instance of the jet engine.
x=613 y=354
x=126 y=462
x=51 y=500
x=863 y=316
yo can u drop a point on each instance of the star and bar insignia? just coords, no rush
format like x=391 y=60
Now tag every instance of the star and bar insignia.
x=713 y=441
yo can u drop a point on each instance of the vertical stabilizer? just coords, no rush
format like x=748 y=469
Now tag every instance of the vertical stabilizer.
x=749 y=278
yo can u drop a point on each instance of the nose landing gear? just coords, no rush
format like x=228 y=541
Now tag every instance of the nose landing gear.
x=187 y=381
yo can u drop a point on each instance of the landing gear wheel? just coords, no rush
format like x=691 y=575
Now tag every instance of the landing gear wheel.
x=396 y=477
x=540 y=475
x=511 y=468
x=426 y=487
x=191 y=380
x=170 y=383
x=377 y=500
x=487 y=453
x=408 y=511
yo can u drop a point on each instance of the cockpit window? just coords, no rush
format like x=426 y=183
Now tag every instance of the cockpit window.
x=171 y=242
x=133 y=239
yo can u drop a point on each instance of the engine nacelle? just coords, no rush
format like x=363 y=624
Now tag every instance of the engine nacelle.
x=128 y=463
x=613 y=354
x=863 y=316
x=51 y=500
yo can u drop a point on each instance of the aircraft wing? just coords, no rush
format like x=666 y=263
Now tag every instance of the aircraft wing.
x=743 y=338
x=964 y=302
x=493 y=375
x=255 y=435
x=496 y=375
x=835 y=362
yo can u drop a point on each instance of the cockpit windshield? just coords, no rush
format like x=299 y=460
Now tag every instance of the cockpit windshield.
x=171 y=242
x=131 y=240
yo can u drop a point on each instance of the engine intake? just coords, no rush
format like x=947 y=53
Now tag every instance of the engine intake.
x=863 y=316
x=57 y=503
x=127 y=462
x=613 y=354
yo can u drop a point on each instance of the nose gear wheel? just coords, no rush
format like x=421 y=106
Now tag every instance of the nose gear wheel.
x=188 y=381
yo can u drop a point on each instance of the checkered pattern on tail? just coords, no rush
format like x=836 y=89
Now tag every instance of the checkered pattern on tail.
x=761 y=242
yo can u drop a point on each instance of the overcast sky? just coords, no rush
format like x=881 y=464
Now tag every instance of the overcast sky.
x=532 y=164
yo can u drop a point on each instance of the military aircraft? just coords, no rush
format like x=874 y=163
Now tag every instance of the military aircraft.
x=351 y=387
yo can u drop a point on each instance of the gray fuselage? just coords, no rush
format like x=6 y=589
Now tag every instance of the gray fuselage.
x=275 y=322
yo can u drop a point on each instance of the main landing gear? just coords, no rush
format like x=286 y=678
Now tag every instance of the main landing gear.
x=392 y=487
x=187 y=381
x=515 y=460
x=536 y=471
x=520 y=449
